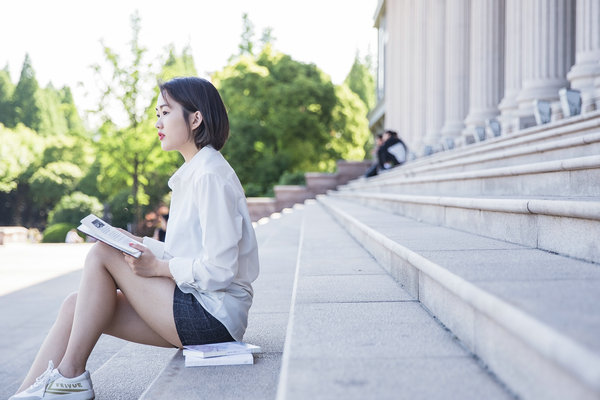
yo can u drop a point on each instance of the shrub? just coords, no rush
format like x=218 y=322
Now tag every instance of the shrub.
x=73 y=207
x=56 y=233
x=292 y=178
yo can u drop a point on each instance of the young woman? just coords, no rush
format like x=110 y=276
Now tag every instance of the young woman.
x=194 y=288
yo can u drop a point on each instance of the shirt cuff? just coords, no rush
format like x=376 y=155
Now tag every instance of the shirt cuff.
x=156 y=247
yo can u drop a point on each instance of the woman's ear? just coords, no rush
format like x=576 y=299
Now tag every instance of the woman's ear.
x=196 y=119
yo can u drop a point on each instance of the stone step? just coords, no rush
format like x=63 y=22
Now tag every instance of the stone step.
x=130 y=371
x=565 y=226
x=278 y=241
x=565 y=138
x=355 y=334
x=572 y=177
x=528 y=315
x=497 y=157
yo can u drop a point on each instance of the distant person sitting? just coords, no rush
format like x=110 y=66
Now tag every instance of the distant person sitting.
x=372 y=171
x=392 y=152
x=73 y=237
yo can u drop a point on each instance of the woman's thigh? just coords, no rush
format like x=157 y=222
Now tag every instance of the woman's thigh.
x=150 y=298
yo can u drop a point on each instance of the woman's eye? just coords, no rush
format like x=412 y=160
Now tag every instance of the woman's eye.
x=165 y=112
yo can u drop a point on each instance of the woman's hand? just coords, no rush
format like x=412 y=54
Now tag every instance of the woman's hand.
x=131 y=235
x=147 y=265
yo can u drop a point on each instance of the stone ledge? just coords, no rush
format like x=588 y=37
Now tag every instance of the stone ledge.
x=13 y=234
x=571 y=164
x=560 y=208
x=589 y=122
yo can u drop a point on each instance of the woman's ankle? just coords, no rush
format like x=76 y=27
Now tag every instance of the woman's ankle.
x=70 y=371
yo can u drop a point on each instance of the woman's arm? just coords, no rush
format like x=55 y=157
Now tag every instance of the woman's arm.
x=217 y=207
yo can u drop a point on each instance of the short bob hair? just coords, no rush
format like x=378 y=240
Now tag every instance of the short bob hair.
x=197 y=94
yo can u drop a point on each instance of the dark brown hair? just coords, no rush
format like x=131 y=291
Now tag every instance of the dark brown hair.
x=197 y=94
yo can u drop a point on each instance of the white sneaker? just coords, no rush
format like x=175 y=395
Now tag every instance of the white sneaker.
x=52 y=385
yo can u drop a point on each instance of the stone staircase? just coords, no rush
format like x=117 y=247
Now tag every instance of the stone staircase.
x=470 y=274
x=499 y=241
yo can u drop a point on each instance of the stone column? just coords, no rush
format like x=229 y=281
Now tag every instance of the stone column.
x=393 y=57
x=457 y=67
x=434 y=74
x=587 y=53
x=486 y=63
x=547 y=53
x=512 y=67
x=405 y=129
x=419 y=47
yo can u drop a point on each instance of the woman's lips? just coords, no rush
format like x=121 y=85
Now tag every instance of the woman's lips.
x=161 y=136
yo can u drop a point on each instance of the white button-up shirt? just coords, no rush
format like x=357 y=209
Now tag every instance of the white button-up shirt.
x=210 y=241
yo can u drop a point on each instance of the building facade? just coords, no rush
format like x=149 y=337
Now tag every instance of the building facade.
x=453 y=72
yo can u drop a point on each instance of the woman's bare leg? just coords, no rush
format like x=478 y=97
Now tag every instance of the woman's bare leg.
x=96 y=309
x=142 y=311
x=54 y=346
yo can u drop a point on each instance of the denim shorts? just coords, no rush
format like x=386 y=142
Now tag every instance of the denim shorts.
x=194 y=324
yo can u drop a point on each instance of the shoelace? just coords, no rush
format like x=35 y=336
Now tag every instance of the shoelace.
x=43 y=379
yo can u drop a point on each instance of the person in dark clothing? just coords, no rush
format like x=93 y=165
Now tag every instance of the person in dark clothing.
x=392 y=152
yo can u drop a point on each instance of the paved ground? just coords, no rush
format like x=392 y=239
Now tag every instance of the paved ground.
x=23 y=265
x=34 y=280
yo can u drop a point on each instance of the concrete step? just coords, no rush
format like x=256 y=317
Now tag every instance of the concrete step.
x=529 y=315
x=575 y=137
x=565 y=226
x=278 y=247
x=574 y=177
x=355 y=334
x=130 y=371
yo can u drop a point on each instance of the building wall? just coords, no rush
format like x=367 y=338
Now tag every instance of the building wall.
x=449 y=70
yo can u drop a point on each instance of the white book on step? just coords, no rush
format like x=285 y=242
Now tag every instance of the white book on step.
x=219 y=349
x=235 y=359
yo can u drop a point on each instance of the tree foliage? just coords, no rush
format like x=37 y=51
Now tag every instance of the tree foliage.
x=130 y=155
x=361 y=81
x=26 y=101
x=287 y=117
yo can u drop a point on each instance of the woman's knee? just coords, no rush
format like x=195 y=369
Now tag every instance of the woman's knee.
x=100 y=254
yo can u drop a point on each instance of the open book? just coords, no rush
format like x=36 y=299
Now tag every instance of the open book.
x=102 y=231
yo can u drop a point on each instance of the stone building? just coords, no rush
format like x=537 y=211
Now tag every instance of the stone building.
x=451 y=71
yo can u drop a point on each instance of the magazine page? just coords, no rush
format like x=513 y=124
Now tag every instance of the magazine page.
x=101 y=230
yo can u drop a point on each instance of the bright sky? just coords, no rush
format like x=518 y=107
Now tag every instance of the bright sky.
x=63 y=37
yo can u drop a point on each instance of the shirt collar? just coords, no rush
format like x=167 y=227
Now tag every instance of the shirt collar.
x=185 y=171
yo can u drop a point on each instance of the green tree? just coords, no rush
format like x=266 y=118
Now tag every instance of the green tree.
x=125 y=152
x=20 y=148
x=350 y=126
x=130 y=155
x=25 y=98
x=50 y=183
x=52 y=117
x=280 y=113
x=70 y=112
x=246 y=45
x=361 y=81
x=73 y=207
x=7 y=116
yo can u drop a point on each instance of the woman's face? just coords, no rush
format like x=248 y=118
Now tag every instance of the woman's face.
x=173 y=132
